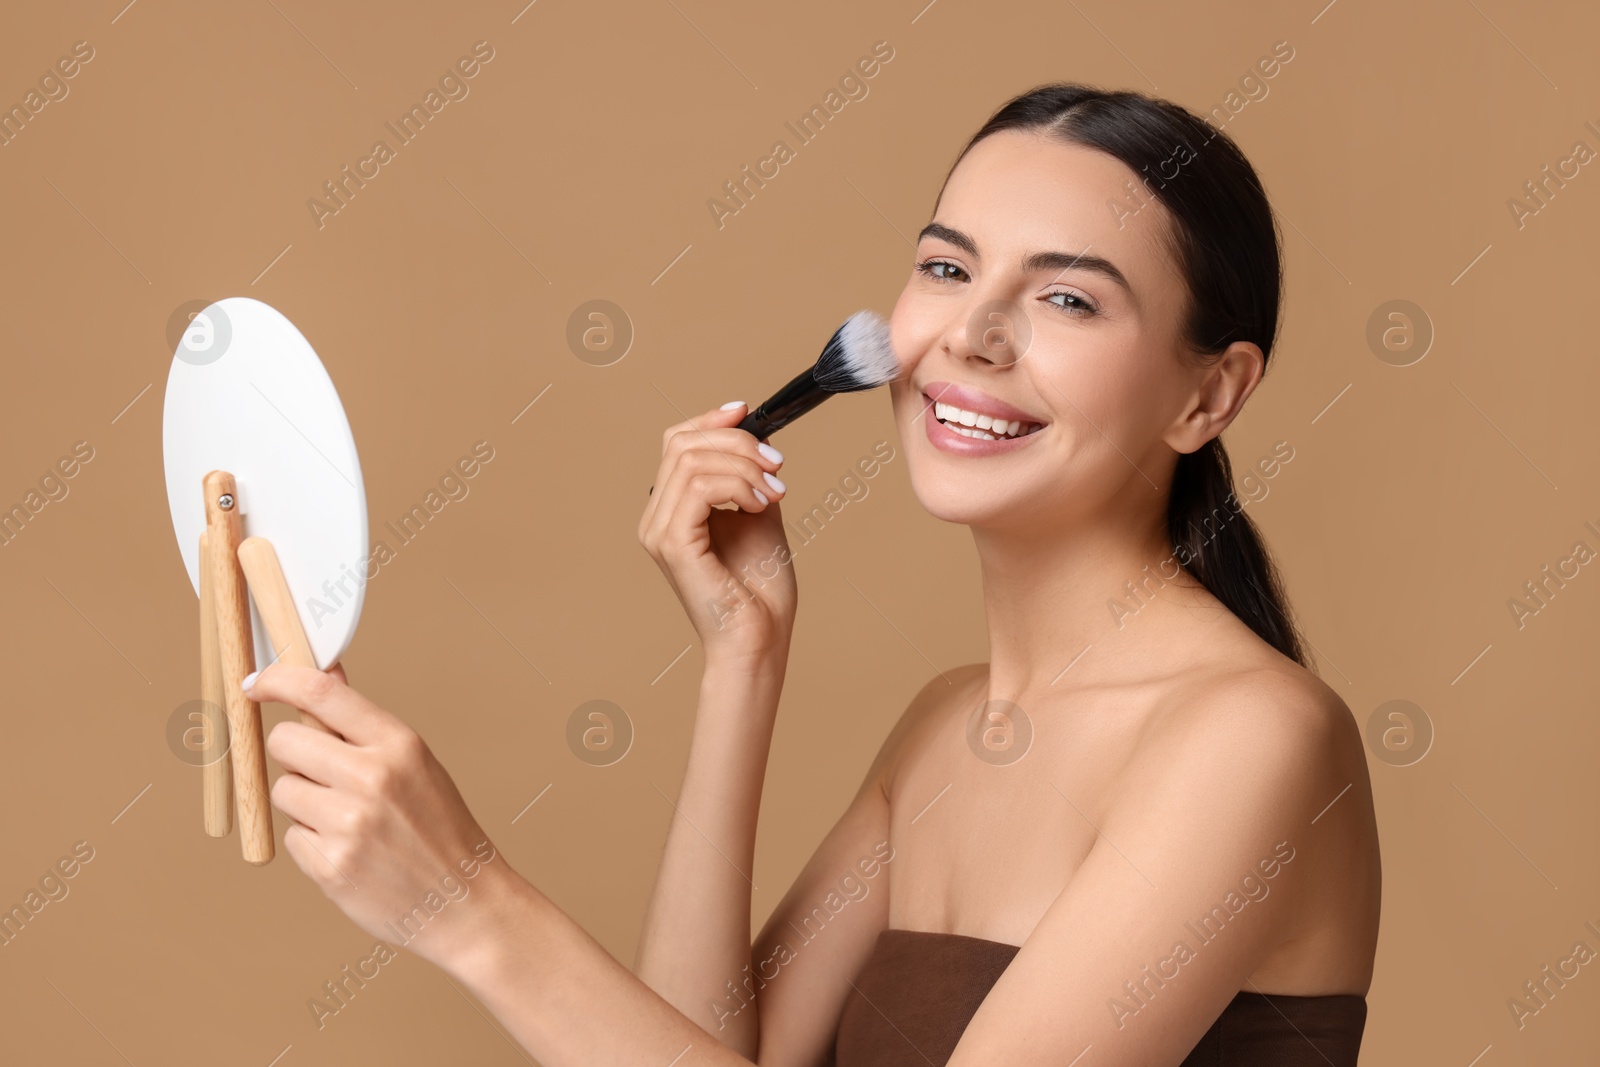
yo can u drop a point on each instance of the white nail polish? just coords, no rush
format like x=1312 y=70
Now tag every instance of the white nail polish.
x=773 y=481
x=771 y=453
x=730 y=405
x=760 y=496
x=249 y=680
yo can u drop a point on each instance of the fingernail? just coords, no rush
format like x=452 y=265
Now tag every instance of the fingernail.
x=249 y=680
x=773 y=481
x=760 y=495
x=730 y=405
x=771 y=453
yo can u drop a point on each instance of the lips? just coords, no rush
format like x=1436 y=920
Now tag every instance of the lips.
x=962 y=421
x=974 y=413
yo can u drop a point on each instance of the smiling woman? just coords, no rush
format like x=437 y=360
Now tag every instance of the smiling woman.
x=1069 y=819
x=1069 y=373
x=1216 y=280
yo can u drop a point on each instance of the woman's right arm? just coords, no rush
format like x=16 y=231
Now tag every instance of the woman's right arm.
x=776 y=1002
x=695 y=943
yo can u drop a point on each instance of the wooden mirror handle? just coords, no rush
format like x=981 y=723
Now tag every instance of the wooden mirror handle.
x=237 y=655
x=216 y=773
x=276 y=605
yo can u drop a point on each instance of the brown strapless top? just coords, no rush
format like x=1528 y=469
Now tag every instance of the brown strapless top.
x=919 y=990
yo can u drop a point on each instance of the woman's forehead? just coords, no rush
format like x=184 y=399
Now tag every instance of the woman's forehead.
x=1022 y=191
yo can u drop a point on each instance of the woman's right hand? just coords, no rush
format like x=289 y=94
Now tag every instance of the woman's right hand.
x=730 y=569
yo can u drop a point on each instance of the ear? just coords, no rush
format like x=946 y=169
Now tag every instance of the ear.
x=1220 y=390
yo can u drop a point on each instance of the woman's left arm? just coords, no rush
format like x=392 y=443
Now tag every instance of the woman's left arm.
x=384 y=832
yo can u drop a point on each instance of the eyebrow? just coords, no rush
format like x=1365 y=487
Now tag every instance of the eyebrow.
x=1038 y=261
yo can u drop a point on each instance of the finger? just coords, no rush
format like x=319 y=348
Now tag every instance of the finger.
x=712 y=451
x=722 y=437
x=729 y=414
x=304 y=801
x=337 y=670
x=743 y=464
x=718 y=441
x=677 y=519
x=696 y=467
x=715 y=489
x=310 y=752
x=343 y=709
x=676 y=437
x=685 y=528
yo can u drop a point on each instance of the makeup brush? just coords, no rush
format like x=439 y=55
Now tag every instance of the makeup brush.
x=856 y=357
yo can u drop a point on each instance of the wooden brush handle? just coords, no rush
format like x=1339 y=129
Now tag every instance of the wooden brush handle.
x=216 y=774
x=238 y=659
x=276 y=604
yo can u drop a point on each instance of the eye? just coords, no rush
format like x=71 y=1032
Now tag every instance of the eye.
x=931 y=268
x=1082 y=308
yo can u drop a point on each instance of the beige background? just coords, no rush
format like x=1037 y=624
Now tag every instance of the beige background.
x=579 y=167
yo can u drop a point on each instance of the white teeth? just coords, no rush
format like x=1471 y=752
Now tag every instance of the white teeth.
x=972 y=424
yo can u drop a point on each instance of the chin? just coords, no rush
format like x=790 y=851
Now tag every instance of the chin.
x=966 y=501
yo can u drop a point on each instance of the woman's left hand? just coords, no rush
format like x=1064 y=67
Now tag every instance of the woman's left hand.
x=379 y=825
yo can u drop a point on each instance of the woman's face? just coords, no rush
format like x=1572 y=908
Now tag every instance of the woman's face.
x=1015 y=312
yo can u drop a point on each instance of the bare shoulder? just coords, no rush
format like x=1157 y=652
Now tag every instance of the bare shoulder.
x=938 y=696
x=1253 y=733
x=1263 y=758
x=1260 y=711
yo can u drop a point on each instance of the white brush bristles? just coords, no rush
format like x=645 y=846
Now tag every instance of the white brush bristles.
x=858 y=356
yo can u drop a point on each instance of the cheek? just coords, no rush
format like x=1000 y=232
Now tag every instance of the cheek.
x=1117 y=386
x=1078 y=382
x=906 y=405
x=1120 y=393
x=914 y=327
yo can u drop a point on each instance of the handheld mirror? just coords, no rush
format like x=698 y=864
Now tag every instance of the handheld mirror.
x=260 y=460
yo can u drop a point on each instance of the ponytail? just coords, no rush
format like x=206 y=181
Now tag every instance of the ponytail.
x=1214 y=540
x=1226 y=243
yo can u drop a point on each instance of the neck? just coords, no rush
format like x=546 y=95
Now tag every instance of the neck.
x=1051 y=594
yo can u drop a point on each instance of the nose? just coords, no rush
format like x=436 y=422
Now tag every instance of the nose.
x=995 y=331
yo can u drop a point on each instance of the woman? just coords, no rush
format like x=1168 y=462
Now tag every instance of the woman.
x=1142 y=833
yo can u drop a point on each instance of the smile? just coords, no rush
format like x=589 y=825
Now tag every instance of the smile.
x=968 y=422
x=984 y=427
